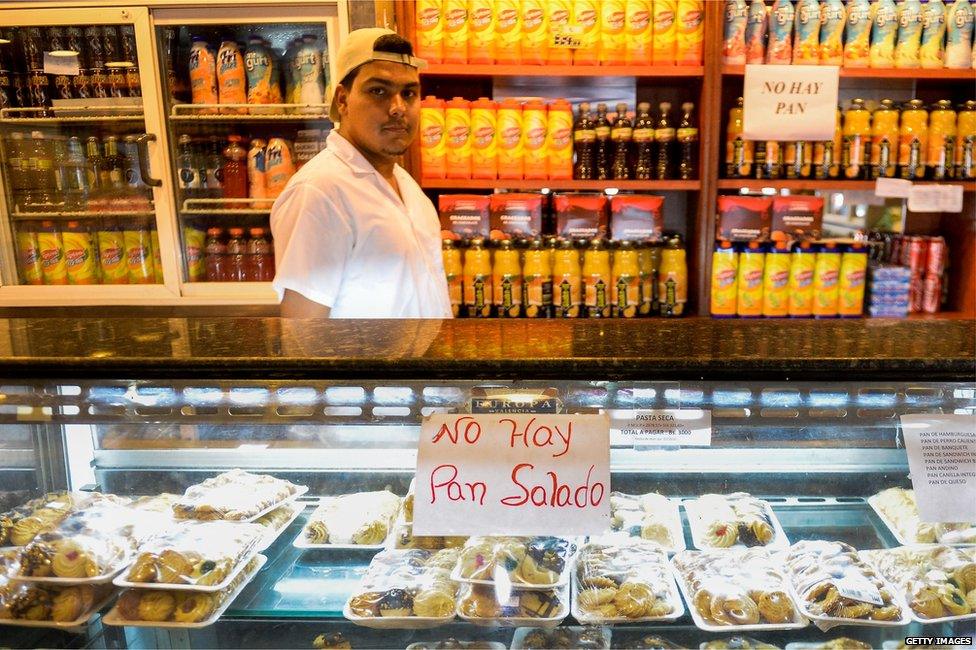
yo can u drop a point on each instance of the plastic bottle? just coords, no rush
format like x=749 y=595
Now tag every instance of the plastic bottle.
x=29 y=266
x=749 y=282
x=965 y=157
x=263 y=76
x=566 y=281
x=884 y=33
x=827 y=154
x=307 y=69
x=913 y=140
x=942 y=140
x=853 y=275
x=687 y=136
x=587 y=16
x=560 y=20
x=776 y=281
x=584 y=144
x=649 y=260
x=290 y=72
x=453 y=270
x=664 y=140
x=806 y=44
x=779 y=46
x=833 y=18
x=203 y=74
x=644 y=143
x=157 y=257
x=768 y=161
x=194 y=244
x=613 y=32
x=508 y=32
x=857 y=137
x=959 y=35
x=691 y=32
x=76 y=188
x=236 y=256
x=596 y=280
x=664 y=46
x=112 y=262
x=235 y=169
x=54 y=267
x=280 y=166
x=738 y=151
x=755 y=43
x=537 y=281
x=231 y=77
x=734 y=32
x=559 y=143
x=456 y=26
x=534 y=126
x=430 y=31
x=857 y=34
x=476 y=276
x=260 y=265
x=622 y=135
x=826 y=277
x=484 y=151
x=909 y=34
x=625 y=285
x=191 y=183
x=215 y=256
x=640 y=31
x=506 y=278
x=214 y=164
x=457 y=121
x=433 y=145
x=257 y=174
x=79 y=254
x=139 y=252
x=803 y=266
x=725 y=269
x=884 y=140
x=672 y=278
x=602 y=148
x=931 y=50
x=481 y=31
x=510 y=140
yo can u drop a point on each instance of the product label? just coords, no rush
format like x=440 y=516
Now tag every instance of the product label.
x=667 y=427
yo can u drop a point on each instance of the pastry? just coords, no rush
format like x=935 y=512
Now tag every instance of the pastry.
x=128 y=605
x=539 y=603
x=27 y=529
x=235 y=496
x=775 y=607
x=649 y=642
x=156 y=605
x=721 y=534
x=434 y=603
x=173 y=567
x=737 y=643
x=361 y=518
x=936 y=579
x=479 y=602
x=844 y=643
x=332 y=640
x=734 y=609
x=734 y=519
x=648 y=516
x=67 y=605
x=365 y=604
x=404 y=583
x=193 y=607
x=901 y=511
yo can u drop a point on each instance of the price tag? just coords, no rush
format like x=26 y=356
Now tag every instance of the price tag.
x=569 y=36
x=61 y=63
x=790 y=102
x=669 y=427
x=859 y=590
x=513 y=474
x=942 y=459
x=935 y=198
x=893 y=188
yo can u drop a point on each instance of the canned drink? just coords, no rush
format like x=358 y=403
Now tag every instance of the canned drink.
x=38 y=89
x=932 y=294
x=99 y=83
x=133 y=83
x=56 y=39
x=913 y=256
x=81 y=84
x=33 y=43
x=916 y=294
x=20 y=97
x=96 y=53
x=61 y=86
x=127 y=39
x=110 y=43
x=6 y=90
x=75 y=41
x=117 y=86
x=935 y=261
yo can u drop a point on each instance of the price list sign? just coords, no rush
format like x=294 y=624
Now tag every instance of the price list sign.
x=942 y=460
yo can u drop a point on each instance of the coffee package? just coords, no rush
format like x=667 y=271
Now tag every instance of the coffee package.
x=636 y=217
x=743 y=218
x=464 y=216
x=580 y=216
x=516 y=216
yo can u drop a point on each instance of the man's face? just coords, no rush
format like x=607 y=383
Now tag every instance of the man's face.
x=381 y=112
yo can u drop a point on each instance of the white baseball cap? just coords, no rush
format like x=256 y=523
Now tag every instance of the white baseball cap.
x=357 y=49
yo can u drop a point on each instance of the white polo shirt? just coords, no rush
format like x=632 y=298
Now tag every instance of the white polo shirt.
x=344 y=239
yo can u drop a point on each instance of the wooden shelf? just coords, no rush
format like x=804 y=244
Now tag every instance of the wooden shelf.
x=942 y=74
x=503 y=184
x=499 y=70
x=806 y=184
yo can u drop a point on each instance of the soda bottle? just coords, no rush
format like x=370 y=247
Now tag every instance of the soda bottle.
x=535 y=31
x=825 y=281
x=779 y=48
x=826 y=154
x=857 y=134
x=476 y=275
x=853 y=274
x=913 y=140
x=260 y=257
x=215 y=256
x=534 y=120
x=640 y=31
x=195 y=242
x=725 y=269
x=644 y=143
x=734 y=32
x=601 y=129
x=20 y=178
x=691 y=32
x=687 y=135
x=776 y=281
x=803 y=264
x=484 y=146
x=511 y=159
x=213 y=170
x=909 y=34
x=262 y=75
x=884 y=140
x=673 y=278
x=806 y=42
x=430 y=30
x=203 y=74
x=79 y=254
x=280 y=167
x=506 y=279
x=622 y=134
x=75 y=176
x=234 y=169
x=942 y=140
x=191 y=182
x=664 y=45
x=433 y=146
x=236 y=255
x=54 y=266
x=559 y=145
x=537 y=281
x=584 y=143
x=649 y=260
x=738 y=151
x=959 y=35
x=587 y=15
x=596 y=280
x=29 y=263
x=749 y=282
x=625 y=281
x=664 y=135
x=832 y=19
x=131 y=171
x=884 y=33
x=613 y=32
x=567 y=281
x=112 y=262
x=114 y=165
x=139 y=252
x=453 y=269
x=42 y=184
x=455 y=16
x=481 y=31
x=308 y=73
x=755 y=35
x=965 y=156
x=931 y=50
x=457 y=120
x=95 y=171
x=257 y=177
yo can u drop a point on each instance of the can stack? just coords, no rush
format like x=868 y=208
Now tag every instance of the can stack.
x=890 y=291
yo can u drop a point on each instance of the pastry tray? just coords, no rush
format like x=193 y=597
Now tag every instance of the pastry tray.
x=799 y=621
x=672 y=519
x=780 y=540
x=239 y=566
x=678 y=607
x=901 y=539
x=520 y=621
x=518 y=639
x=113 y=617
x=76 y=625
x=826 y=623
x=274 y=533
x=486 y=645
x=396 y=622
x=301 y=489
x=301 y=543
x=523 y=586
x=69 y=582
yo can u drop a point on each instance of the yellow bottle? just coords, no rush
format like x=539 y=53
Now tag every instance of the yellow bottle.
x=942 y=140
x=884 y=140
x=454 y=271
x=853 y=274
x=913 y=140
x=648 y=258
x=803 y=265
x=476 y=279
x=537 y=281
x=826 y=155
x=481 y=31
x=596 y=280
x=776 y=281
x=725 y=268
x=79 y=254
x=430 y=31
x=672 y=279
x=54 y=267
x=506 y=281
x=857 y=134
x=965 y=158
x=566 y=281
x=739 y=152
x=826 y=276
x=626 y=288
x=749 y=289
x=613 y=32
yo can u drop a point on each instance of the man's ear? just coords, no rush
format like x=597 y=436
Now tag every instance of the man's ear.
x=341 y=99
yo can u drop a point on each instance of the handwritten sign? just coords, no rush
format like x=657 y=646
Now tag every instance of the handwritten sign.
x=790 y=102
x=942 y=460
x=513 y=474
x=669 y=427
x=935 y=198
x=893 y=188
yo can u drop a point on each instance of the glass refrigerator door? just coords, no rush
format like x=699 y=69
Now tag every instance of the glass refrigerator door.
x=81 y=193
x=245 y=95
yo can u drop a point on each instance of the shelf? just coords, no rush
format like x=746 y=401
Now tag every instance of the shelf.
x=500 y=70
x=89 y=115
x=71 y=216
x=504 y=184
x=74 y=119
x=192 y=113
x=945 y=74
x=754 y=185
x=208 y=207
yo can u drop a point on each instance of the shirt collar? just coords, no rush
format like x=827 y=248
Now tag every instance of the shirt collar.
x=346 y=152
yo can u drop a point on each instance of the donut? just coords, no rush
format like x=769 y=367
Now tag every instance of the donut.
x=734 y=610
x=156 y=606
x=193 y=607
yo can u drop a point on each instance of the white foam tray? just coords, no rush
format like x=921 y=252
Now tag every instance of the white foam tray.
x=673 y=520
x=302 y=489
x=76 y=625
x=521 y=621
x=120 y=581
x=677 y=607
x=274 y=533
x=696 y=523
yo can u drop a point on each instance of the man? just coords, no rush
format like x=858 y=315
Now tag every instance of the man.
x=354 y=235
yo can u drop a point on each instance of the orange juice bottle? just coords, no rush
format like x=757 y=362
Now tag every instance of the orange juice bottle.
x=566 y=281
x=691 y=32
x=739 y=152
x=484 y=147
x=749 y=283
x=534 y=126
x=506 y=281
x=826 y=275
x=913 y=140
x=648 y=258
x=79 y=254
x=672 y=278
x=508 y=32
x=776 y=281
x=853 y=274
x=596 y=280
x=535 y=32
x=942 y=140
x=457 y=121
x=454 y=271
x=476 y=280
x=664 y=13
x=433 y=146
x=559 y=140
x=965 y=157
x=725 y=269
x=510 y=140
x=857 y=135
x=587 y=16
x=430 y=31
x=455 y=14
x=613 y=32
x=884 y=140
x=203 y=73
x=803 y=266
x=537 y=281
x=481 y=31
x=640 y=32
x=560 y=20
x=626 y=282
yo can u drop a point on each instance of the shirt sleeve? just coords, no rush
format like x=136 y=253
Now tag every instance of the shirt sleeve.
x=313 y=240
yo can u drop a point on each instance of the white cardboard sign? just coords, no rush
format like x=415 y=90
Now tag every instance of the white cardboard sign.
x=61 y=64
x=669 y=427
x=893 y=188
x=513 y=474
x=942 y=460
x=935 y=198
x=790 y=102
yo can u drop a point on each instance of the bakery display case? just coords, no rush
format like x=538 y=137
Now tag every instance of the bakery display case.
x=296 y=447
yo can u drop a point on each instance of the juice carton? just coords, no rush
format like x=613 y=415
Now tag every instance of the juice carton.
x=776 y=281
x=481 y=31
x=663 y=47
x=508 y=32
x=853 y=273
x=931 y=50
x=806 y=43
x=884 y=33
x=203 y=73
x=959 y=35
x=455 y=13
x=484 y=146
x=510 y=140
x=803 y=266
x=826 y=278
x=586 y=14
x=779 y=48
x=909 y=34
x=457 y=125
x=857 y=37
x=832 y=20
x=534 y=126
x=433 y=146
x=560 y=20
x=749 y=282
x=613 y=32
x=691 y=32
x=139 y=253
x=725 y=270
x=535 y=32
x=734 y=32
x=756 y=32
x=559 y=140
x=640 y=31
x=430 y=31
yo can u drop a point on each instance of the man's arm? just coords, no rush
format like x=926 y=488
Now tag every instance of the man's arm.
x=295 y=305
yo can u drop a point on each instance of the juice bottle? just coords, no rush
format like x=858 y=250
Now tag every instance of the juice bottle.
x=640 y=32
x=965 y=158
x=833 y=17
x=664 y=14
x=687 y=136
x=257 y=174
x=203 y=73
x=826 y=276
x=909 y=34
x=537 y=281
x=649 y=260
x=510 y=141
x=725 y=269
x=263 y=76
x=672 y=278
x=626 y=282
x=280 y=166
x=236 y=256
x=476 y=278
x=644 y=143
x=913 y=140
x=508 y=32
x=597 y=280
x=803 y=265
x=776 y=281
x=194 y=242
x=884 y=140
x=884 y=33
x=433 y=146
x=455 y=17
x=827 y=155
x=234 y=169
x=457 y=124
x=584 y=144
x=755 y=43
x=738 y=151
x=535 y=32
x=857 y=37
x=481 y=31
x=806 y=44
x=430 y=31
x=231 y=77
x=734 y=32
x=79 y=254
x=853 y=274
x=54 y=267
x=112 y=262
x=857 y=136
x=454 y=271
x=157 y=257
x=664 y=139
x=613 y=32
x=691 y=32
x=959 y=35
x=931 y=51
x=560 y=20
x=139 y=252
x=798 y=159
x=587 y=16
x=566 y=281
x=602 y=129
x=942 y=140
x=506 y=281
x=559 y=140
x=779 y=47
x=749 y=283
x=484 y=147
x=215 y=256
x=534 y=126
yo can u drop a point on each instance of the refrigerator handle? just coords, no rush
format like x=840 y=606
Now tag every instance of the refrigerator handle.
x=142 y=142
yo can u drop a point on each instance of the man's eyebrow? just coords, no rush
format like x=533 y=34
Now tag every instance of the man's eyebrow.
x=389 y=84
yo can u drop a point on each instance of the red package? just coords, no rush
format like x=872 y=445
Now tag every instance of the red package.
x=743 y=218
x=636 y=217
x=516 y=215
x=797 y=218
x=580 y=216
x=463 y=216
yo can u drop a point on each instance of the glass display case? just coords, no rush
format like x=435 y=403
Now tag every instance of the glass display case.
x=337 y=407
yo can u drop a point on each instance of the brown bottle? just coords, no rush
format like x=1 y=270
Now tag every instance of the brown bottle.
x=603 y=142
x=584 y=142
x=688 y=141
x=622 y=134
x=664 y=137
x=644 y=143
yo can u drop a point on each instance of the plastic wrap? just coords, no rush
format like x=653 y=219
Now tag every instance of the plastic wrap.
x=834 y=585
x=403 y=538
x=738 y=588
x=277 y=521
x=522 y=562
x=624 y=582
x=36 y=605
x=738 y=643
x=898 y=510
x=499 y=604
x=737 y=520
x=569 y=637
x=20 y=525
x=650 y=516
x=938 y=582
x=647 y=642
x=359 y=519
x=450 y=643
x=840 y=643
x=409 y=588
x=235 y=496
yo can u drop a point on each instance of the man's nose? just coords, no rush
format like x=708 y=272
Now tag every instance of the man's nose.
x=397 y=105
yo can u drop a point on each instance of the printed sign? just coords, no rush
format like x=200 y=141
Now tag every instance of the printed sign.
x=859 y=590
x=942 y=460
x=669 y=427
x=513 y=474
x=567 y=36
x=935 y=198
x=790 y=102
